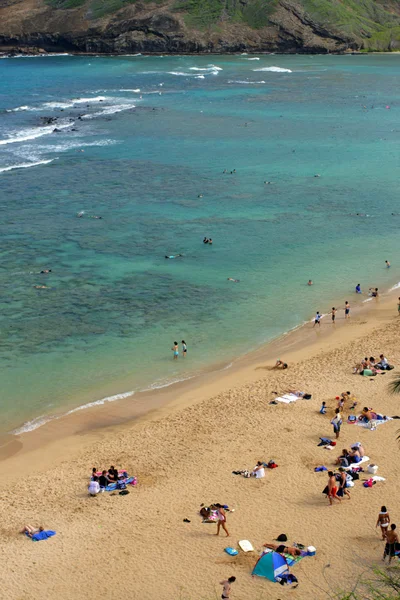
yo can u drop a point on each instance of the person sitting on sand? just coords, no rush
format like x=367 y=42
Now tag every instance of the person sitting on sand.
x=30 y=531
x=368 y=414
x=343 y=459
x=112 y=474
x=103 y=480
x=282 y=549
x=94 y=473
x=94 y=486
x=354 y=456
x=359 y=447
x=280 y=364
x=258 y=472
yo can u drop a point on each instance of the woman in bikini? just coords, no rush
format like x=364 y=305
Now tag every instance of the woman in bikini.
x=383 y=521
x=221 y=520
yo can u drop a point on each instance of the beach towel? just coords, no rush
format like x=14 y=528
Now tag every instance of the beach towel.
x=287 y=398
x=372 y=424
x=363 y=460
x=42 y=535
x=114 y=486
x=246 y=546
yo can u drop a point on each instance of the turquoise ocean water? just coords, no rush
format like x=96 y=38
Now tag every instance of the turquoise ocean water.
x=155 y=134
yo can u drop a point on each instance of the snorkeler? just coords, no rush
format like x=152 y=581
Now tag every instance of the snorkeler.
x=173 y=256
x=45 y=271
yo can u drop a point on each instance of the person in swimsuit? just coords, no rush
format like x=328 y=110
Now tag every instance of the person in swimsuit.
x=337 y=422
x=235 y=280
x=310 y=282
x=184 y=348
x=280 y=364
x=346 y=310
x=333 y=313
x=175 y=350
x=173 y=256
x=317 y=320
x=392 y=540
x=30 y=531
x=205 y=240
x=282 y=549
x=221 y=520
x=343 y=484
x=227 y=587
x=210 y=242
x=373 y=292
x=387 y=263
x=383 y=521
x=332 y=488
x=358 y=288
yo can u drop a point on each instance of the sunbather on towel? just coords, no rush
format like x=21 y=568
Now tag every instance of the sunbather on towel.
x=30 y=531
x=282 y=549
x=368 y=414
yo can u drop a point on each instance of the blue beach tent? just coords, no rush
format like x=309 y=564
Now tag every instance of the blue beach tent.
x=271 y=565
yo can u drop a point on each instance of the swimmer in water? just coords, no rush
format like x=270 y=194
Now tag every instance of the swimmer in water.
x=210 y=241
x=206 y=240
x=80 y=214
x=200 y=196
x=40 y=287
x=235 y=280
x=358 y=289
x=45 y=271
x=317 y=175
x=310 y=282
x=173 y=256
x=387 y=263
x=374 y=292
x=94 y=217
x=267 y=182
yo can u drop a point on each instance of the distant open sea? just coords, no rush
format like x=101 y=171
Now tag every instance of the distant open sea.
x=143 y=142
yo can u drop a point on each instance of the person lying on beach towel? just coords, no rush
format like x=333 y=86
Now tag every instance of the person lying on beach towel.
x=282 y=549
x=37 y=533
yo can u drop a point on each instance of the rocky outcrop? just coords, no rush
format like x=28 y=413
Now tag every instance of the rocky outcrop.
x=151 y=28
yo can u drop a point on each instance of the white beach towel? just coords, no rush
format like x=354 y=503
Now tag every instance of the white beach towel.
x=373 y=424
x=378 y=478
x=363 y=460
x=246 y=546
x=287 y=398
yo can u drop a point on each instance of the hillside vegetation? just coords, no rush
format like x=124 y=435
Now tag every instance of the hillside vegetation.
x=202 y=25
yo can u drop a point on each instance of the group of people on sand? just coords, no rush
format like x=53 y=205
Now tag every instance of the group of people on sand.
x=352 y=456
x=175 y=349
x=98 y=483
x=371 y=366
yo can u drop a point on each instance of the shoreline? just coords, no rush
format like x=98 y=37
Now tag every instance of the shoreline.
x=95 y=418
x=10 y=54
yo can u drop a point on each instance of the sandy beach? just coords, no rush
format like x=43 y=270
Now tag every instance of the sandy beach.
x=183 y=453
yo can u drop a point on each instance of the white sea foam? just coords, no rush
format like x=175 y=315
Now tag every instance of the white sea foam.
x=395 y=287
x=39 y=55
x=274 y=70
x=26 y=165
x=246 y=82
x=42 y=420
x=255 y=58
x=200 y=77
x=100 y=402
x=180 y=73
x=31 y=134
x=137 y=90
x=109 y=110
x=158 y=385
x=18 y=109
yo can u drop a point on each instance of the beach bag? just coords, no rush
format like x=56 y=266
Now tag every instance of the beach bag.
x=355 y=475
x=121 y=485
x=352 y=419
x=369 y=483
x=307 y=396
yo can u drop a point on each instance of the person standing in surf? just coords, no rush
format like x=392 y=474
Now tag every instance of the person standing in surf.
x=184 y=348
x=346 y=310
x=175 y=350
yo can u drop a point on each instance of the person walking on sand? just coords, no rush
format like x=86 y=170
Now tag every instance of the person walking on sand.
x=227 y=587
x=221 y=520
x=317 y=320
x=392 y=539
x=346 y=310
x=175 y=350
x=332 y=488
x=184 y=348
x=383 y=521
x=337 y=422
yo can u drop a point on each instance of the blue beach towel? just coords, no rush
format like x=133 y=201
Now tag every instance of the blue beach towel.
x=113 y=486
x=42 y=535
